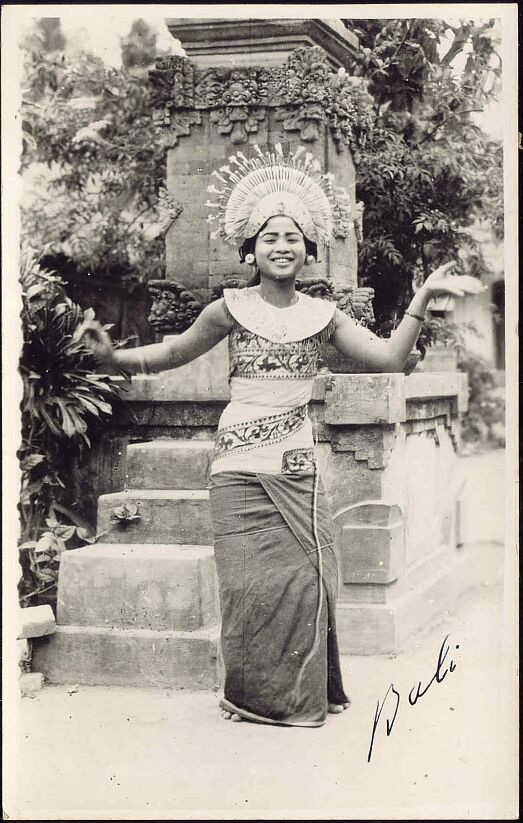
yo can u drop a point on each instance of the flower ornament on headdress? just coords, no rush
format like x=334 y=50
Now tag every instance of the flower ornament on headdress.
x=255 y=189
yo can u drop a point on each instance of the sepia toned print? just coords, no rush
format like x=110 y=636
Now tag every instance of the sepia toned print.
x=260 y=465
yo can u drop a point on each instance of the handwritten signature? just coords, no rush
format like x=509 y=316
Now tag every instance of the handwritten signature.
x=392 y=697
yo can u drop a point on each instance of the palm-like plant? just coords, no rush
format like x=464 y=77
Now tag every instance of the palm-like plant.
x=63 y=399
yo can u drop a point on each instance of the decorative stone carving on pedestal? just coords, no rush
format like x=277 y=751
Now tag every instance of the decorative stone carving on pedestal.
x=174 y=308
x=203 y=113
x=239 y=42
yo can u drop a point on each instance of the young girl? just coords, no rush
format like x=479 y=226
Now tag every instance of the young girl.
x=273 y=534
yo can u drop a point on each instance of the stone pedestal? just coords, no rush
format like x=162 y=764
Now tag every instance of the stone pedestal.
x=387 y=454
x=386 y=446
x=236 y=42
x=141 y=607
x=213 y=103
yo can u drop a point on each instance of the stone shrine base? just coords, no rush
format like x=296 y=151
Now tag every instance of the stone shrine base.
x=142 y=607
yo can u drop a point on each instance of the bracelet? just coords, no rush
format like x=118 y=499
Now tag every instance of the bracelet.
x=410 y=314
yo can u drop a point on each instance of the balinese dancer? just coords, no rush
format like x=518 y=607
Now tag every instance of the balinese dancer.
x=273 y=532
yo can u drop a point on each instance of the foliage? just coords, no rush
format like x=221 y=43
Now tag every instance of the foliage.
x=139 y=47
x=484 y=421
x=445 y=332
x=63 y=400
x=427 y=173
x=51 y=35
x=95 y=187
x=125 y=513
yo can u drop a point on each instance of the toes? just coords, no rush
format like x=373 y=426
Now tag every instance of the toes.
x=338 y=708
x=334 y=708
x=226 y=715
x=236 y=718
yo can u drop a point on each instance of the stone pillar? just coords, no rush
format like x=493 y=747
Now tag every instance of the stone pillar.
x=206 y=112
x=236 y=42
x=386 y=448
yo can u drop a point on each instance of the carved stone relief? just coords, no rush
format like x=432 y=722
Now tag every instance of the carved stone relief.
x=307 y=90
x=174 y=307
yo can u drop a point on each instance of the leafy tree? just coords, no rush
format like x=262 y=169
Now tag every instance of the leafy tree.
x=52 y=37
x=429 y=172
x=139 y=47
x=94 y=166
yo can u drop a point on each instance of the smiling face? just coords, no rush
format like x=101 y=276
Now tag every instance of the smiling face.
x=280 y=249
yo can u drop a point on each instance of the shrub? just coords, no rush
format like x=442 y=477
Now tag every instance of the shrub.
x=63 y=402
x=485 y=419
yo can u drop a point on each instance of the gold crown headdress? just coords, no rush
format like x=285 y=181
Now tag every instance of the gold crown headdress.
x=261 y=187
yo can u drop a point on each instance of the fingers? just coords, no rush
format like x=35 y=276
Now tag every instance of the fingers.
x=471 y=285
x=93 y=331
x=465 y=284
x=84 y=328
x=446 y=268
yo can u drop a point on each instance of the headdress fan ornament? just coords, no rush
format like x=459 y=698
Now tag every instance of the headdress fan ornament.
x=255 y=189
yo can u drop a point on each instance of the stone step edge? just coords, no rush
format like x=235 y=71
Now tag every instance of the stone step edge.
x=168 y=659
x=172 y=445
x=177 y=550
x=404 y=597
x=205 y=634
x=158 y=494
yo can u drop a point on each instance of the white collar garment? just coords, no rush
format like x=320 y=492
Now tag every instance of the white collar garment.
x=306 y=317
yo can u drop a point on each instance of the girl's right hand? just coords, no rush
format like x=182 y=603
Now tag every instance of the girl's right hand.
x=94 y=336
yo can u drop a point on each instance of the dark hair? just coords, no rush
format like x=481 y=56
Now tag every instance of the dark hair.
x=249 y=244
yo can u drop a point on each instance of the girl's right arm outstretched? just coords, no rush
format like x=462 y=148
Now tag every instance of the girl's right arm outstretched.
x=211 y=326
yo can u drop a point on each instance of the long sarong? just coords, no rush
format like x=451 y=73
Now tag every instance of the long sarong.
x=278 y=580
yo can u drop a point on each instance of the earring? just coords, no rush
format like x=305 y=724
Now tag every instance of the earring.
x=249 y=258
x=310 y=259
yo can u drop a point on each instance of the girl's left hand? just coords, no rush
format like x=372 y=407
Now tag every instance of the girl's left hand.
x=442 y=281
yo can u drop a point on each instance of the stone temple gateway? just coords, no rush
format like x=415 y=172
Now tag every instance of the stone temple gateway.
x=141 y=606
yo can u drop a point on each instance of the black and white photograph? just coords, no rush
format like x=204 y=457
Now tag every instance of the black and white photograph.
x=259 y=371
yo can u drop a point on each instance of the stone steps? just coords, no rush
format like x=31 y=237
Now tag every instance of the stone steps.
x=150 y=586
x=385 y=628
x=92 y=655
x=169 y=464
x=142 y=607
x=165 y=516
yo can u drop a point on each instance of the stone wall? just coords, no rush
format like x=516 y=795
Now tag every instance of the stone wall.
x=386 y=447
x=205 y=114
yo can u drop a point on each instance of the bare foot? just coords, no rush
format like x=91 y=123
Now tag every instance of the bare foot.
x=230 y=716
x=338 y=708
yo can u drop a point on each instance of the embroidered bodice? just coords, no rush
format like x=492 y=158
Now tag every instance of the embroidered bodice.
x=265 y=428
x=268 y=342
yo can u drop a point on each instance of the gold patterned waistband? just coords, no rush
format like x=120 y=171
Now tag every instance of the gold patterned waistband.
x=255 y=433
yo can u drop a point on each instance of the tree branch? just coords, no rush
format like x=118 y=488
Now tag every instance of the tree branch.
x=461 y=36
x=454 y=114
x=398 y=47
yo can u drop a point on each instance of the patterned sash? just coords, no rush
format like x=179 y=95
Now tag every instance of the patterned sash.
x=272 y=429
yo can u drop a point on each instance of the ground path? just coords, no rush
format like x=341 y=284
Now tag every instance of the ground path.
x=117 y=753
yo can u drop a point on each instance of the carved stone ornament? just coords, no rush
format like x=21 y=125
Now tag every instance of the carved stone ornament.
x=227 y=283
x=356 y=302
x=307 y=119
x=179 y=125
x=238 y=121
x=174 y=307
x=310 y=93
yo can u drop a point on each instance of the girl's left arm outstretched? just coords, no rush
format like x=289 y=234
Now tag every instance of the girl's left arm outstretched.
x=389 y=355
